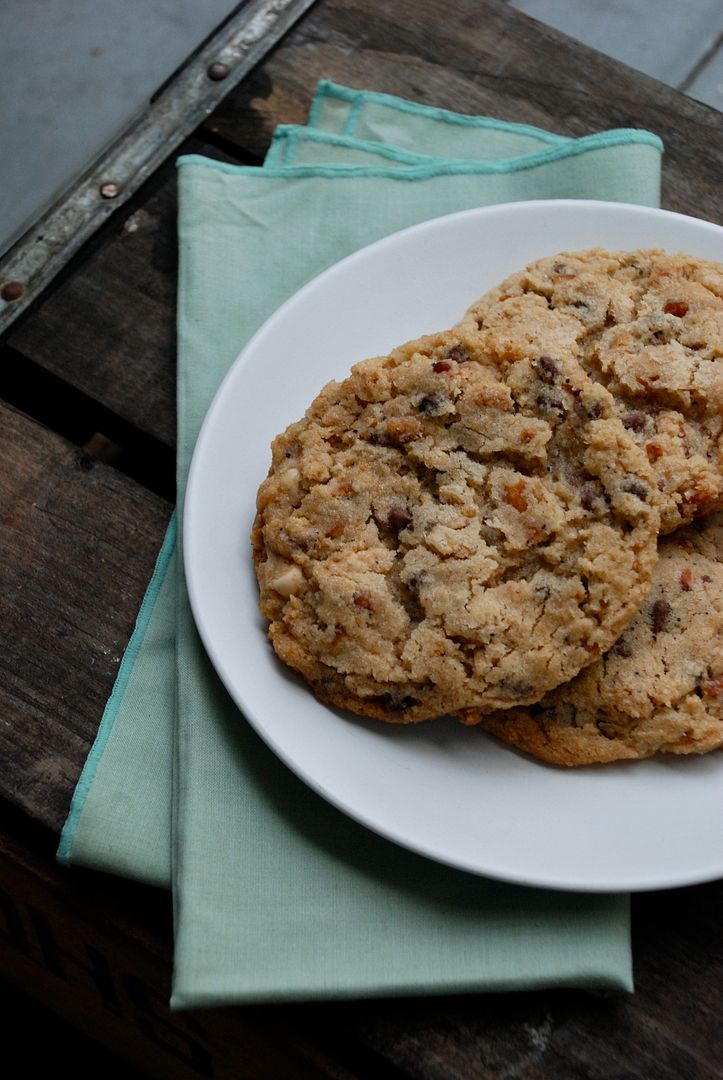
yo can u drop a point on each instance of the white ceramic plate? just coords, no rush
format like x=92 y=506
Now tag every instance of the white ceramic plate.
x=448 y=792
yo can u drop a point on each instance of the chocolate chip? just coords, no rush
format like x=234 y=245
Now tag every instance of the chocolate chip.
x=550 y=403
x=707 y=579
x=399 y=517
x=458 y=353
x=635 y=421
x=659 y=615
x=634 y=487
x=430 y=404
x=621 y=648
x=547 y=367
x=517 y=688
x=588 y=496
x=395 y=704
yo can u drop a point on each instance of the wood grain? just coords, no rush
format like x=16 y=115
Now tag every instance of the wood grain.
x=107 y=324
x=98 y=952
x=77 y=547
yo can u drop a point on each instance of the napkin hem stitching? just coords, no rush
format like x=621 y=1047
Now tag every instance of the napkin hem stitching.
x=601 y=141
x=290 y=135
x=357 y=98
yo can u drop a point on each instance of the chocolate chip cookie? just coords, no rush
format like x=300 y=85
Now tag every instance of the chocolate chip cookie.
x=647 y=325
x=433 y=537
x=660 y=688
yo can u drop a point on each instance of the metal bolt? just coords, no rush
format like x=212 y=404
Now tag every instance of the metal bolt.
x=12 y=291
x=218 y=71
x=110 y=190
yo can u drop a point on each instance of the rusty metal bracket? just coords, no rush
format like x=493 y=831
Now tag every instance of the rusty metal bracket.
x=178 y=109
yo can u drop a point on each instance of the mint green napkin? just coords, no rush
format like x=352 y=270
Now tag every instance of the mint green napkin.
x=276 y=894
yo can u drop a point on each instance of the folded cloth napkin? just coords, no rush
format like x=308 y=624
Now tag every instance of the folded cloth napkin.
x=277 y=895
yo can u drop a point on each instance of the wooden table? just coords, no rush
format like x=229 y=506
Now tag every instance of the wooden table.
x=86 y=489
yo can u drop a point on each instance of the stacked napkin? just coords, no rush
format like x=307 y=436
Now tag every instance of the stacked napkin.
x=277 y=895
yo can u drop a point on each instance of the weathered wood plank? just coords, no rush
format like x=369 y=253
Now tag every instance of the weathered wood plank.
x=106 y=326
x=77 y=547
x=98 y=952
x=69 y=412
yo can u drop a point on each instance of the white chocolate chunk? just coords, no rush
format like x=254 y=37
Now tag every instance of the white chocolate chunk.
x=289 y=582
x=289 y=481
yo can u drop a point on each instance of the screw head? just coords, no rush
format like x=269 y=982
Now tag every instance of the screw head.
x=12 y=291
x=218 y=71
x=110 y=190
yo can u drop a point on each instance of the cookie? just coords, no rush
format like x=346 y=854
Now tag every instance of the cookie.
x=432 y=537
x=660 y=688
x=648 y=326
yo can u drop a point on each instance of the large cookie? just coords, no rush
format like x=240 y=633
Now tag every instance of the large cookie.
x=660 y=688
x=649 y=326
x=430 y=537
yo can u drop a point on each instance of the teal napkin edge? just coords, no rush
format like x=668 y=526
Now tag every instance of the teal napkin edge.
x=287 y=136
x=87 y=776
x=600 y=141
x=357 y=98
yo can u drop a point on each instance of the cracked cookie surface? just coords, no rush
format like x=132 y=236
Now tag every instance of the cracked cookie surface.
x=432 y=537
x=649 y=326
x=660 y=687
